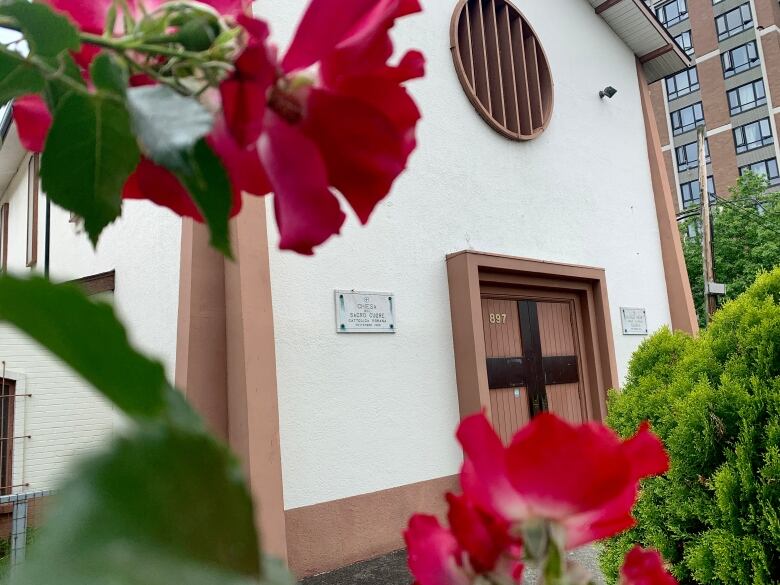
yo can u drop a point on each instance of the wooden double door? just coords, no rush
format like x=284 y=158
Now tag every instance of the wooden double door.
x=534 y=360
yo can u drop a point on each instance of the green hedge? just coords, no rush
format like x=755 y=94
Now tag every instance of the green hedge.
x=715 y=402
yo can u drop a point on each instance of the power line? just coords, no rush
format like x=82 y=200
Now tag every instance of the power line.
x=749 y=215
x=695 y=211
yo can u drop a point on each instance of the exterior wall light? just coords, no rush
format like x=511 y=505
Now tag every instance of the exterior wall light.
x=608 y=91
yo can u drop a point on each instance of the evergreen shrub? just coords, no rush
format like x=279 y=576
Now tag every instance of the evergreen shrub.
x=715 y=402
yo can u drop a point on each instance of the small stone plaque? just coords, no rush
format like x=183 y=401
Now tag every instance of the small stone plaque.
x=634 y=321
x=364 y=312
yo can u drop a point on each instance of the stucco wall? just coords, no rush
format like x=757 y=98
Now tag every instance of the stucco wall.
x=360 y=413
x=65 y=417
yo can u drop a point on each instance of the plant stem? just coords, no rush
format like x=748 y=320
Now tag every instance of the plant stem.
x=172 y=83
x=57 y=74
x=121 y=44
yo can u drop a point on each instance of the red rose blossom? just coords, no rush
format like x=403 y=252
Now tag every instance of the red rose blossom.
x=644 y=567
x=581 y=477
x=484 y=537
x=336 y=113
x=435 y=558
x=331 y=115
x=476 y=543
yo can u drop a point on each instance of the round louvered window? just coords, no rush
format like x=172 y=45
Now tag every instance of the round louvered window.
x=502 y=67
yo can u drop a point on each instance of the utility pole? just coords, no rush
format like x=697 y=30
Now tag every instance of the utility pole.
x=710 y=287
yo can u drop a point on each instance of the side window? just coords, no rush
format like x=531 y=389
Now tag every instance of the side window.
x=691 y=192
x=686 y=118
x=7 y=395
x=672 y=12
x=685 y=41
x=746 y=97
x=768 y=168
x=3 y=237
x=32 y=210
x=753 y=135
x=688 y=155
x=682 y=83
x=739 y=59
x=734 y=21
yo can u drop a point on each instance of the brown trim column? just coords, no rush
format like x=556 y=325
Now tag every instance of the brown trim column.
x=201 y=345
x=225 y=358
x=253 y=410
x=472 y=381
x=678 y=288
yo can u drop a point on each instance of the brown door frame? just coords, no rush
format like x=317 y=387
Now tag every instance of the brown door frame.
x=472 y=274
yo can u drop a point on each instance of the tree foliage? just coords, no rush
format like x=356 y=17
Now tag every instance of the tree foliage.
x=715 y=402
x=746 y=236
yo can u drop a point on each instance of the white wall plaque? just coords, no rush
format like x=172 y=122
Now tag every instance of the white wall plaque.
x=364 y=312
x=634 y=321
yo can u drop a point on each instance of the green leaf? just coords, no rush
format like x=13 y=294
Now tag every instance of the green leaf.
x=47 y=33
x=160 y=507
x=58 y=88
x=108 y=75
x=90 y=152
x=89 y=338
x=171 y=129
x=167 y=124
x=18 y=76
x=209 y=186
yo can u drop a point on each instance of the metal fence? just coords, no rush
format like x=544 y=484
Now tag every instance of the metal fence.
x=20 y=516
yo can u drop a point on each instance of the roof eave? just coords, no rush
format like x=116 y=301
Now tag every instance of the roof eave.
x=638 y=27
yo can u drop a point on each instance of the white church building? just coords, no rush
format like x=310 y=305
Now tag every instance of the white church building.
x=527 y=251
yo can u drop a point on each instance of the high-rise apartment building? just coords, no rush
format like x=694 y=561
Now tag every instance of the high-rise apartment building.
x=732 y=88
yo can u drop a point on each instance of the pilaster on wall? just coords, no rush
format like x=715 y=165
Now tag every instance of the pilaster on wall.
x=658 y=100
x=201 y=367
x=669 y=162
x=253 y=408
x=678 y=289
x=225 y=356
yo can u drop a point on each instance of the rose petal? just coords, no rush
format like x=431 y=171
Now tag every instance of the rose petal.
x=228 y=7
x=644 y=567
x=160 y=186
x=562 y=469
x=383 y=92
x=362 y=149
x=646 y=456
x=244 y=93
x=89 y=15
x=307 y=213
x=611 y=519
x=483 y=537
x=312 y=40
x=242 y=164
x=646 y=453
x=368 y=46
x=484 y=473
x=33 y=121
x=434 y=555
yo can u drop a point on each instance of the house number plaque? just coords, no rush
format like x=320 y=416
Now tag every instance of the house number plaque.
x=364 y=312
